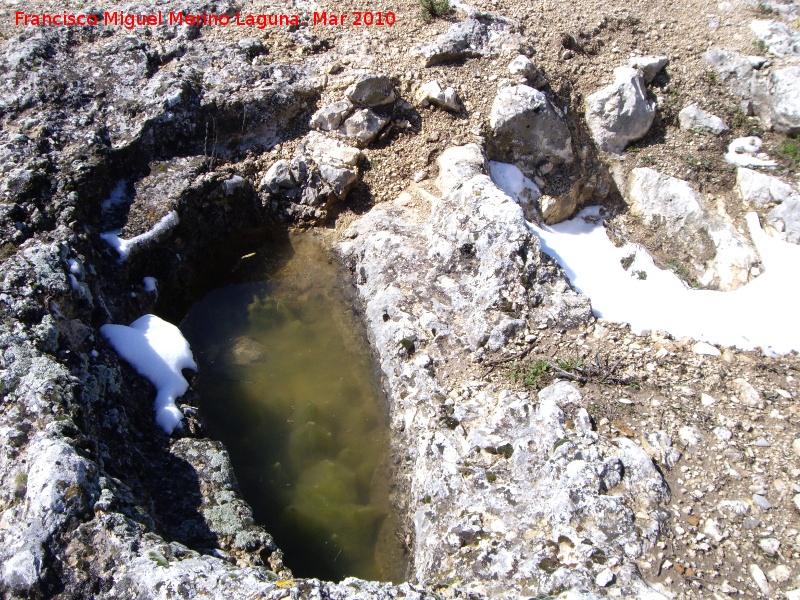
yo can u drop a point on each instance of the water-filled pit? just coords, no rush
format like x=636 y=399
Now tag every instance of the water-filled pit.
x=287 y=382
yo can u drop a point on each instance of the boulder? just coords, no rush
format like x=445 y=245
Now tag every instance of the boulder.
x=432 y=93
x=363 y=127
x=785 y=219
x=371 y=90
x=719 y=256
x=330 y=118
x=620 y=113
x=527 y=131
x=760 y=190
x=694 y=118
x=650 y=66
x=777 y=101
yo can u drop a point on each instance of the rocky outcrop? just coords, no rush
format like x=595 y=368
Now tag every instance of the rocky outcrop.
x=719 y=255
x=774 y=97
x=472 y=38
x=620 y=113
x=778 y=37
x=466 y=281
x=527 y=131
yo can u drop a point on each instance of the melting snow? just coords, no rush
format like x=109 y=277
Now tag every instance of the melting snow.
x=124 y=247
x=762 y=313
x=158 y=351
x=743 y=152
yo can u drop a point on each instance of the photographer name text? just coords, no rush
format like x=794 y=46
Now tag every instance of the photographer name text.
x=204 y=19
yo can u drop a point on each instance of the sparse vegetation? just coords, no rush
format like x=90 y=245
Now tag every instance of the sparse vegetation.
x=684 y=273
x=790 y=150
x=760 y=47
x=535 y=374
x=710 y=77
x=764 y=8
x=433 y=9
x=627 y=261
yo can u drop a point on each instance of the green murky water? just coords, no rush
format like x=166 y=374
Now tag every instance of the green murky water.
x=287 y=382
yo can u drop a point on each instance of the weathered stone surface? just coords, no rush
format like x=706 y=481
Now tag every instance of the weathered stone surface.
x=779 y=38
x=777 y=101
x=458 y=165
x=694 y=118
x=371 y=90
x=362 y=127
x=329 y=118
x=434 y=290
x=760 y=190
x=737 y=72
x=650 y=66
x=468 y=39
x=720 y=255
x=786 y=219
x=527 y=131
x=432 y=93
x=620 y=113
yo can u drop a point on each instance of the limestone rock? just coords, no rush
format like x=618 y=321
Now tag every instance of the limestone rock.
x=371 y=90
x=620 y=113
x=786 y=219
x=721 y=255
x=778 y=104
x=329 y=118
x=779 y=38
x=522 y=65
x=468 y=39
x=458 y=165
x=278 y=177
x=363 y=127
x=650 y=66
x=760 y=190
x=694 y=118
x=737 y=71
x=432 y=93
x=527 y=131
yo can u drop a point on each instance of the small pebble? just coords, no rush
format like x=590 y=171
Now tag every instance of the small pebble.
x=762 y=443
x=761 y=502
x=769 y=546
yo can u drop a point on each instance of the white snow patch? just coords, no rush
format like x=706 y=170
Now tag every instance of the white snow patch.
x=743 y=152
x=124 y=247
x=117 y=196
x=511 y=180
x=762 y=313
x=73 y=282
x=149 y=284
x=158 y=351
